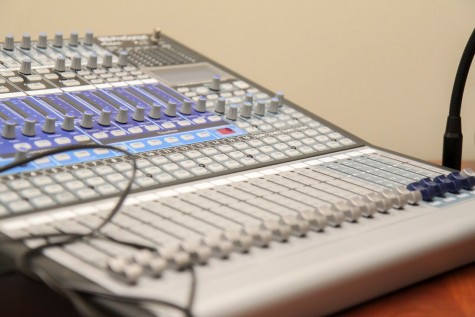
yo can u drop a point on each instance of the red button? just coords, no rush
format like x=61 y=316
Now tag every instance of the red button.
x=226 y=131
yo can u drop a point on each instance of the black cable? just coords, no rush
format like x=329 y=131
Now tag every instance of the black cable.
x=453 y=137
x=73 y=293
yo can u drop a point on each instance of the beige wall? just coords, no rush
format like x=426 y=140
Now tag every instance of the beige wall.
x=380 y=69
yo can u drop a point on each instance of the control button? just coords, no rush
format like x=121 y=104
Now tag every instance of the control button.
x=88 y=38
x=25 y=67
x=51 y=76
x=280 y=96
x=215 y=83
x=9 y=43
x=185 y=107
x=122 y=62
x=231 y=114
x=73 y=39
x=58 y=40
x=467 y=182
x=439 y=188
x=155 y=111
x=21 y=154
x=76 y=62
x=49 y=126
x=246 y=110
x=100 y=135
x=42 y=41
x=274 y=105
x=105 y=118
x=260 y=108
x=249 y=97
x=171 y=109
x=107 y=60
x=33 y=78
x=92 y=61
x=118 y=133
x=68 y=75
x=62 y=140
x=220 y=105
x=135 y=130
x=201 y=104
x=81 y=138
x=8 y=131
x=29 y=128
x=16 y=79
x=25 y=42
x=43 y=143
x=60 y=64
x=139 y=114
x=86 y=121
x=122 y=115
x=68 y=123
x=427 y=192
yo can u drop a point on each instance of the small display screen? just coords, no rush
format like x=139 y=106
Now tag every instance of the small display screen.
x=187 y=74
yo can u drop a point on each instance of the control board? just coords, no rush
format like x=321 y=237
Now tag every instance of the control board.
x=232 y=179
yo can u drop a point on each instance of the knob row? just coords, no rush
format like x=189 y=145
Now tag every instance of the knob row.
x=247 y=108
x=42 y=43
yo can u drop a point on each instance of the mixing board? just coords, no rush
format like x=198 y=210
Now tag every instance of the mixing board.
x=278 y=211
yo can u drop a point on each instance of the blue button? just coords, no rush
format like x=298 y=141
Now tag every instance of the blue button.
x=466 y=182
x=452 y=186
x=428 y=193
x=440 y=188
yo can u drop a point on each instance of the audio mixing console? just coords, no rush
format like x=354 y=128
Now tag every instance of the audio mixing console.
x=277 y=210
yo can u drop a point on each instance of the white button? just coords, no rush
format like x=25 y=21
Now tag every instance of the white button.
x=22 y=146
x=43 y=160
x=68 y=75
x=100 y=135
x=62 y=140
x=154 y=142
x=171 y=140
x=240 y=84
x=214 y=118
x=81 y=154
x=152 y=127
x=101 y=151
x=199 y=120
x=81 y=138
x=203 y=134
x=137 y=145
x=187 y=137
x=117 y=132
x=135 y=130
x=62 y=157
x=42 y=143
x=202 y=90
x=168 y=125
x=184 y=123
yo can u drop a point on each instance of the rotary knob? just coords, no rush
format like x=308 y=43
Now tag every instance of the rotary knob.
x=89 y=38
x=29 y=128
x=201 y=104
x=249 y=97
x=186 y=107
x=220 y=105
x=68 y=123
x=246 y=110
x=215 y=82
x=73 y=39
x=25 y=41
x=58 y=40
x=60 y=64
x=105 y=117
x=76 y=62
x=280 y=95
x=273 y=105
x=42 y=40
x=157 y=32
x=155 y=111
x=25 y=67
x=107 y=60
x=92 y=61
x=21 y=154
x=122 y=62
x=231 y=113
x=260 y=108
x=122 y=115
x=9 y=43
x=49 y=126
x=8 y=131
x=171 y=108
x=139 y=113
x=86 y=121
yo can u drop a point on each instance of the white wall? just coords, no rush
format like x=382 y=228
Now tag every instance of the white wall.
x=381 y=69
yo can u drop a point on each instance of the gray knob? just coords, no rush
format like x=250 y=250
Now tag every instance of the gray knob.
x=60 y=64
x=58 y=40
x=274 y=105
x=171 y=108
x=105 y=117
x=92 y=61
x=249 y=97
x=220 y=105
x=21 y=154
x=215 y=82
x=29 y=128
x=76 y=62
x=260 y=108
x=68 y=123
x=49 y=126
x=246 y=110
x=139 y=113
x=231 y=113
x=86 y=121
x=122 y=116
x=280 y=95
x=9 y=43
x=186 y=107
x=122 y=62
x=157 y=32
x=155 y=112
x=8 y=131
x=201 y=104
x=42 y=40
x=25 y=67
x=89 y=38
x=25 y=41
x=107 y=60
x=73 y=39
